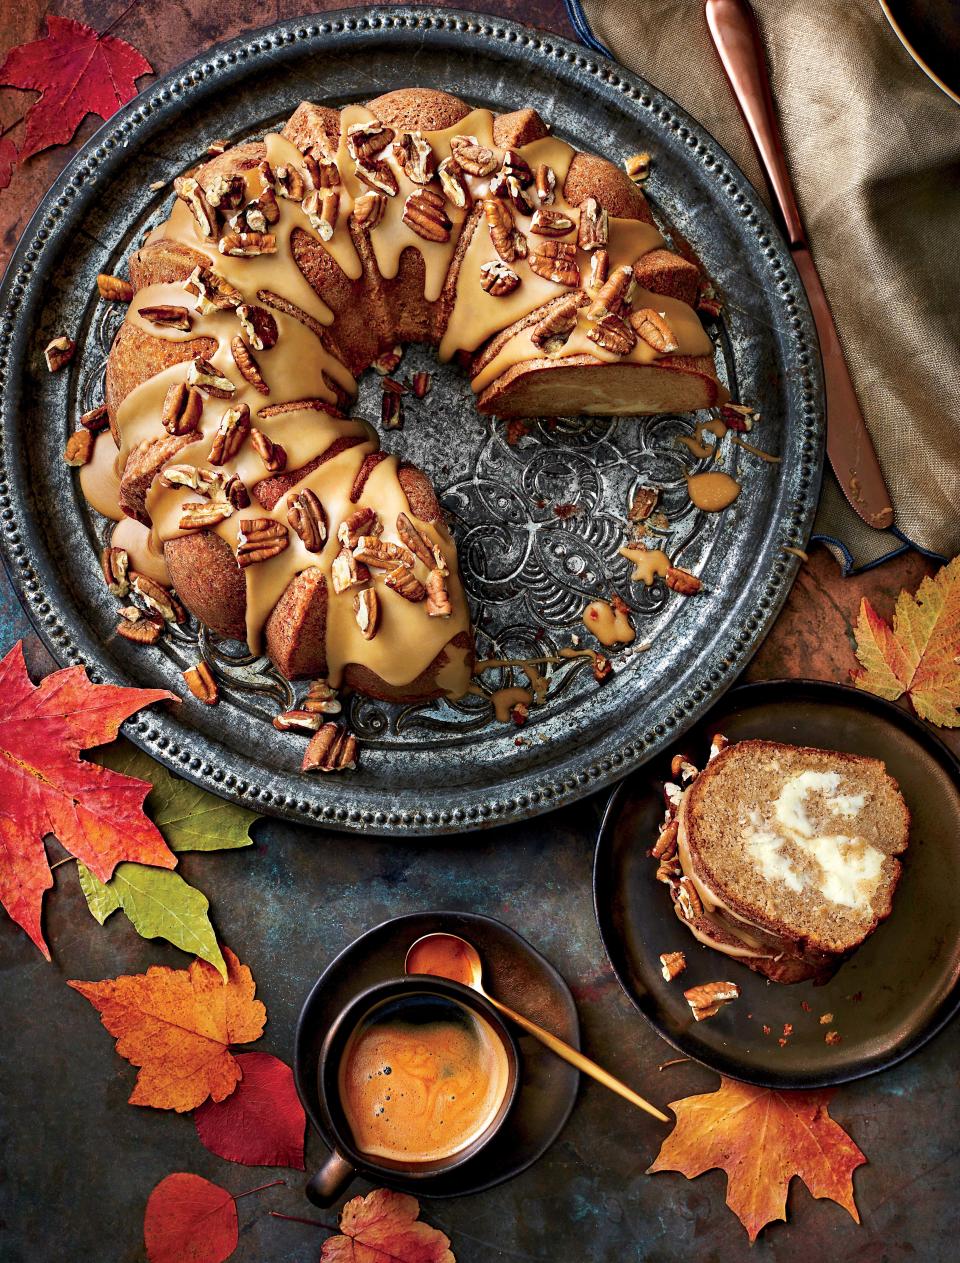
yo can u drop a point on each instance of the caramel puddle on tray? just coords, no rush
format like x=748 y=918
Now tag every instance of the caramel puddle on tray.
x=610 y=626
x=712 y=491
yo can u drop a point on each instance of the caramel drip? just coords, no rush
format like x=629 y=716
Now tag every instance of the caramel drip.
x=648 y=563
x=142 y=547
x=100 y=478
x=712 y=491
x=694 y=442
x=756 y=451
x=610 y=626
x=504 y=700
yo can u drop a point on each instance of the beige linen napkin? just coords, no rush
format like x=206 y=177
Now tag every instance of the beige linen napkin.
x=874 y=149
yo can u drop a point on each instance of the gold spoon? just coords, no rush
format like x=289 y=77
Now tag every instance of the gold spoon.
x=449 y=956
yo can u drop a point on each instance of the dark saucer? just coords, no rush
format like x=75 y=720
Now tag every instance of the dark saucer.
x=514 y=973
x=892 y=995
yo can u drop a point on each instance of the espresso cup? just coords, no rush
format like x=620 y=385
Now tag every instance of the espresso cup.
x=422 y=1010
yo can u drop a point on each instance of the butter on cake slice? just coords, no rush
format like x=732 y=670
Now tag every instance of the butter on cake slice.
x=792 y=853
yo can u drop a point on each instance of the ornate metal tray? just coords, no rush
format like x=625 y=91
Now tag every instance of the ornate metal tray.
x=538 y=521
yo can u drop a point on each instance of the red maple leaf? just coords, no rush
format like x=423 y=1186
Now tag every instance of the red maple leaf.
x=77 y=72
x=262 y=1122
x=45 y=787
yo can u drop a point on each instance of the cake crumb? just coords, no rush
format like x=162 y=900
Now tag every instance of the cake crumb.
x=766 y=1029
x=788 y=1028
x=832 y=1037
x=783 y=1042
x=826 y=1019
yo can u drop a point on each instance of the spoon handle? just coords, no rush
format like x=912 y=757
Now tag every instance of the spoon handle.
x=577 y=1059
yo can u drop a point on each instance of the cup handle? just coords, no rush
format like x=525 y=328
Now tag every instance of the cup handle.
x=326 y=1185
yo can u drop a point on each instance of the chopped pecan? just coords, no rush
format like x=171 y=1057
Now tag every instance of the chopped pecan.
x=516 y=167
x=346 y=572
x=599 y=269
x=593 y=230
x=672 y=964
x=225 y=192
x=201 y=515
x=419 y=384
x=425 y=214
x=438 y=599
x=403 y=581
x=473 y=157
x=96 y=419
x=235 y=491
x=59 y=352
x=688 y=901
x=157 y=597
x=556 y=261
x=305 y=719
x=551 y=223
x=115 y=564
x=416 y=157
x=321 y=207
x=368 y=138
x=114 y=288
x=709 y=303
x=231 y=434
x=498 y=279
x=644 y=502
x=260 y=538
x=381 y=554
x=665 y=846
x=213 y=292
x=79 y=448
x=267 y=174
x=682 y=581
x=385 y=363
x=321 y=699
x=391 y=411
x=637 y=167
x=210 y=380
x=682 y=769
x=201 y=683
x=307 y=516
x=332 y=749
x=453 y=183
x=289 y=182
x=366 y=608
x=189 y=191
x=267 y=208
x=414 y=540
x=274 y=456
x=735 y=416
x=361 y=522
x=248 y=245
x=369 y=209
x=249 y=368
x=509 y=186
x=259 y=327
x=182 y=409
x=707 y=999
x=329 y=174
x=546 y=184
x=142 y=629
x=167 y=316
x=508 y=242
x=614 y=295
x=653 y=328
x=613 y=334
x=668 y=871
x=552 y=332
x=602 y=668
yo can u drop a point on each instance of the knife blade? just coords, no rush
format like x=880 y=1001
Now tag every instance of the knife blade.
x=850 y=449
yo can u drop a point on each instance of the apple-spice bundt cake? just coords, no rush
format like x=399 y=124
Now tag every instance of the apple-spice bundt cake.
x=286 y=268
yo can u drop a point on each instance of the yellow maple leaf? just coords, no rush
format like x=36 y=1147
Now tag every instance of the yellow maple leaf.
x=920 y=655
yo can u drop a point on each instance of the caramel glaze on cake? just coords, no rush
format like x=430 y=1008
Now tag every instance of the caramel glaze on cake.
x=330 y=244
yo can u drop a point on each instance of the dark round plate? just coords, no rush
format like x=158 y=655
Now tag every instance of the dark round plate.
x=515 y=973
x=891 y=996
x=930 y=32
x=529 y=568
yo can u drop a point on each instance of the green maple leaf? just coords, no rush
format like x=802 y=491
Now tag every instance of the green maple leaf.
x=159 y=904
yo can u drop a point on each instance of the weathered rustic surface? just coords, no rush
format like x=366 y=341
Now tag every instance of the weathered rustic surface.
x=78 y=1162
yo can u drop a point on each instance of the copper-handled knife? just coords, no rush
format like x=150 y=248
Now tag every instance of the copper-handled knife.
x=849 y=447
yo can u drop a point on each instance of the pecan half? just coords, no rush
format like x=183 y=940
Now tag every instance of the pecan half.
x=688 y=901
x=202 y=515
x=424 y=212
x=473 y=157
x=235 y=491
x=682 y=581
x=707 y=1000
x=438 y=599
x=210 y=380
x=96 y=419
x=213 y=292
x=508 y=242
x=380 y=177
x=308 y=518
x=369 y=209
x=248 y=245
x=329 y=174
x=303 y=719
x=59 y=352
x=114 y=288
x=546 y=181
x=516 y=167
x=556 y=261
x=513 y=189
x=115 y=564
x=189 y=191
x=259 y=327
x=182 y=409
x=593 y=230
x=225 y=192
x=551 y=223
x=672 y=964
x=167 y=316
x=331 y=749
x=201 y=683
x=414 y=540
x=498 y=279
x=550 y=333
x=142 y=629
x=381 y=554
x=366 y=609
x=79 y=448
x=599 y=269
x=361 y=522
x=368 y=138
x=322 y=207
x=346 y=572
x=274 y=456
x=416 y=157
x=263 y=213
x=653 y=328
x=613 y=334
x=665 y=846
x=454 y=185
x=614 y=295
x=289 y=182
x=403 y=581
x=249 y=368
x=157 y=597
x=321 y=699
x=231 y=434
x=260 y=538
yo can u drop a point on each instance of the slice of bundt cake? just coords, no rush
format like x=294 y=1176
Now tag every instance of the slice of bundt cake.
x=787 y=855
x=286 y=268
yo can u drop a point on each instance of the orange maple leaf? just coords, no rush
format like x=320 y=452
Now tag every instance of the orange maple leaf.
x=45 y=787
x=384 y=1227
x=920 y=654
x=177 y=1025
x=762 y=1139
